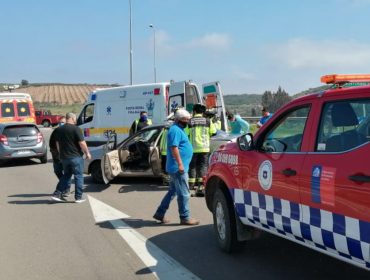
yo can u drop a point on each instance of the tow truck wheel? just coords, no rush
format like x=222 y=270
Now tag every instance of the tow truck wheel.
x=46 y=123
x=225 y=224
x=96 y=173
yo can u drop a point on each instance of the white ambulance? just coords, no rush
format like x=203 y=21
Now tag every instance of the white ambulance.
x=115 y=109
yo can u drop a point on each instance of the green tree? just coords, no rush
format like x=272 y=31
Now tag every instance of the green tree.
x=254 y=113
x=280 y=98
x=24 y=83
x=267 y=99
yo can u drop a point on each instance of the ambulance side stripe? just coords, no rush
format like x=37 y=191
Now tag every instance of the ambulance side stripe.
x=337 y=234
x=102 y=130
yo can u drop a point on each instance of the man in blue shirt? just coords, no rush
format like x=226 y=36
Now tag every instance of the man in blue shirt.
x=237 y=124
x=179 y=154
x=266 y=115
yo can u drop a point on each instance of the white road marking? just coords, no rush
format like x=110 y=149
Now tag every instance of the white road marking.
x=162 y=265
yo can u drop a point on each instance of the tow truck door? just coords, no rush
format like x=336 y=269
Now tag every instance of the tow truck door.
x=176 y=96
x=110 y=162
x=213 y=98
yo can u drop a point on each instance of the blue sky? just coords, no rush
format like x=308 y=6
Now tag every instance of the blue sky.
x=249 y=46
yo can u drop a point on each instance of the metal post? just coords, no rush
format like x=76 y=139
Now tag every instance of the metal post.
x=155 y=70
x=131 y=53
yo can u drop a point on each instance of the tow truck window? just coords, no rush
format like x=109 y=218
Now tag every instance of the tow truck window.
x=287 y=135
x=7 y=110
x=344 y=125
x=23 y=109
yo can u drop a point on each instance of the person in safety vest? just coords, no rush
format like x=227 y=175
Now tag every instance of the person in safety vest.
x=163 y=147
x=140 y=123
x=200 y=130
x=212 y=115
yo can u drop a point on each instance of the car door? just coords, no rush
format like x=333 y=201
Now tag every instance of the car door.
x=335 y=187
x=213 y=98
x=155 y=156
x=110 y=162
x=271 y=171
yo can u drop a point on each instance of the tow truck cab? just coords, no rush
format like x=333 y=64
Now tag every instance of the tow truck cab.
x=303 y=176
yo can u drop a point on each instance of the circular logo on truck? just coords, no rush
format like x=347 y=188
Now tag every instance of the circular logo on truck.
x=265 y=175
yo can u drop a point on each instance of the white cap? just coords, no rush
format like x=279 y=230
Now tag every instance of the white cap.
x=181 y=113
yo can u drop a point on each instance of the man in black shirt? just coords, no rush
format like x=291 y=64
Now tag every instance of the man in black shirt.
x=70 y=144
x=140 y=123
x=57 y=163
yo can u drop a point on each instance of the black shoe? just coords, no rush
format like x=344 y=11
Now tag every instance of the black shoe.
x=66 y=193
x=58 y=198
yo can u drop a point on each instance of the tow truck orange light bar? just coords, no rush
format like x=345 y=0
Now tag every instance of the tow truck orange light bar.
x=342 y=79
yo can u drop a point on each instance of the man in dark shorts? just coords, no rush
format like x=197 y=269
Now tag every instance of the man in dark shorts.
x=71 y=146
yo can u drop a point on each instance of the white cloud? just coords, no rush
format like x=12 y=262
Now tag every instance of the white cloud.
x=304 y=54
x=214 y=41
x=356 y=3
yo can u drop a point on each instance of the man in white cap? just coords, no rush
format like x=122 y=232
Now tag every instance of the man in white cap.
x=179 y=154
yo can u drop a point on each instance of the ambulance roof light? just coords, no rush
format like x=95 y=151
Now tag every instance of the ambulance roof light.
x=93 y=97
x=343 y=79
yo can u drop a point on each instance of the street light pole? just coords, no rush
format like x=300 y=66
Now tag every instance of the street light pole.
x=131 y=53
x=155 y=70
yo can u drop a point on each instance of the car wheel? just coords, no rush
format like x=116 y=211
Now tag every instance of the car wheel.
x=46 y=123
x=96 y=173
x=225 y=224
x=44 y=159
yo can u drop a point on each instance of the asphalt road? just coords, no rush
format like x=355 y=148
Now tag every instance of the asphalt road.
x=40 y=239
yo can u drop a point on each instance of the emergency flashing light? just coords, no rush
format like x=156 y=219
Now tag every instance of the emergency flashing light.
x=93 y=97
x=157 y=91
x=342 y=79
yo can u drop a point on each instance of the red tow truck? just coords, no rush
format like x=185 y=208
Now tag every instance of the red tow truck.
x=45 y=118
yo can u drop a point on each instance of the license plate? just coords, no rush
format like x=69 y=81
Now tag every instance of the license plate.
x=20 y=152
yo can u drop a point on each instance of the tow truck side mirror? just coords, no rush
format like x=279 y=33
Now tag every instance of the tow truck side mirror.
x=245 y=142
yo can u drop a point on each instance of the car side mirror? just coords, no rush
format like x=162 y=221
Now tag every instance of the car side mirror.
x=245 y=142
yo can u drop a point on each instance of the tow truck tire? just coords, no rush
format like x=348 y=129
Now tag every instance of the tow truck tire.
x=225 y=224
x=46 y=123
x=96 y=173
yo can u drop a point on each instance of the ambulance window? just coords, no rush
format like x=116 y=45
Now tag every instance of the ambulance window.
x=287 y=134
x=87 y=114
x=344 y=125
x=7 y=110
x=191 y=98
x=23 y=109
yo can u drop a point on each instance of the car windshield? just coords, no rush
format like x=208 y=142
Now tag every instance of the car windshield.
x=15 y=131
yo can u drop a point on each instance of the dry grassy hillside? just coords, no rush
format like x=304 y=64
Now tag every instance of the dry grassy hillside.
x=59 y=94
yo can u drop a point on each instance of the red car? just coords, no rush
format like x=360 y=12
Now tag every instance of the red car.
x=45 y=118
x=303 y=176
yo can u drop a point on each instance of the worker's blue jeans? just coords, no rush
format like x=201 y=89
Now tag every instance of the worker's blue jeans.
x=179 y=185
x=71 y=166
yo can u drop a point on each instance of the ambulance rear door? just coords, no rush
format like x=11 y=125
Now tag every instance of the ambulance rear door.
x=213 y=98
x=176 y=96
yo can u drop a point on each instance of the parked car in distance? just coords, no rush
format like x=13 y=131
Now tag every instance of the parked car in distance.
x=45 y=118
x=139 y=154
x=21 y=140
